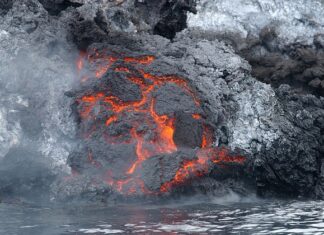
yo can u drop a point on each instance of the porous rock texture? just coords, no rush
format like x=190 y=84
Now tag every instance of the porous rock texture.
x=94 y=20
x=195 y=63
x=279 y=128
x=282 y=40
x=35 y=130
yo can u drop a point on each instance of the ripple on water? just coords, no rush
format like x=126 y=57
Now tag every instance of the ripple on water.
x=100 y=230
x=252 y=218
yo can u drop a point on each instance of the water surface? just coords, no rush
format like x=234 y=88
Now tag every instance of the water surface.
x=218 y=217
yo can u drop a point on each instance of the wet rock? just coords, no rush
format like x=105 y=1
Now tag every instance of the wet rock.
x=211 y=187
x=79 y=189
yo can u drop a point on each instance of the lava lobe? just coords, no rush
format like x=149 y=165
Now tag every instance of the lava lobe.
x=142 y=132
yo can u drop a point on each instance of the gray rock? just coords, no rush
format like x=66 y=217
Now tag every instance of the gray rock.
x=280 y=48
x=188 y=131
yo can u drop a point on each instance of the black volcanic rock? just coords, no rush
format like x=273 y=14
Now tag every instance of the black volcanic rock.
x=121 y=87
x=174 y=17
x=124 y=117
x=5 y=6
x=278 y=128
x=302 y=142
x=95 y=20
x=170 y=98
x=188 y=131
x=162 y=168
x=54 y=7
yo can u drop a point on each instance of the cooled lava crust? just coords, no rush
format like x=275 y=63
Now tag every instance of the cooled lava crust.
x=142 y=132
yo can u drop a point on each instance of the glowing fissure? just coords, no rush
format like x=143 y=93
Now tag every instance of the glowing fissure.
x=163 y=125
x=201 y=166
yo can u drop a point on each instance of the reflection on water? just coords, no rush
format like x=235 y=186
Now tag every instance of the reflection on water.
x=244 y=217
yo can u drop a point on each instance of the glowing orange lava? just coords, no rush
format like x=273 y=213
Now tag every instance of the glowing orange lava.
x=163 y=125
x=201 y=166
x=148 y=59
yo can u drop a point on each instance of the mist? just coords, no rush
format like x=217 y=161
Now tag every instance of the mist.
x=36 y=127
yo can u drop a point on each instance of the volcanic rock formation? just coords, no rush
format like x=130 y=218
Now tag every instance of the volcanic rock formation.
x=142 y=128
x=282 y=40
x=131 y=113
x=94 y=21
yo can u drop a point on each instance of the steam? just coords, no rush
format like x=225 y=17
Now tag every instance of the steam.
x=36 y=129
x=34 y=108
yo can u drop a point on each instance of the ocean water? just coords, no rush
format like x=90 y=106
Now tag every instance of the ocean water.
x=188 y=216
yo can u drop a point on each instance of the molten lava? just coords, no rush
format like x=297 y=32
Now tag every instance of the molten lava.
x=160 y=138
x=201 y=166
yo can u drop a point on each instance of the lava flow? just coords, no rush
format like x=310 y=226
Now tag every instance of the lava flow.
x=130 y=105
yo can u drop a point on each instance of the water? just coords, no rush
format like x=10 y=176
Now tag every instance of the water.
x=219 y=217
